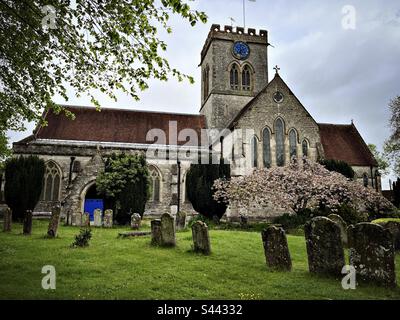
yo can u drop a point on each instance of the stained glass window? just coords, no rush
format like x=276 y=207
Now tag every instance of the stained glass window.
x=280 y=143
x=51 y=183
x=266 y=148
x=293 y=143
x=305 y=148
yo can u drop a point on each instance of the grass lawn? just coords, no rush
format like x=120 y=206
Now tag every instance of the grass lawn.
x=112 y=268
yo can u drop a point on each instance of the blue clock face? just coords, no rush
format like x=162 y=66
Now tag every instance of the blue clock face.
x=241 y=50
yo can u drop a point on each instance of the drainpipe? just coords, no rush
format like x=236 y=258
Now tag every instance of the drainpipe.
x=70 y=170
x=179 y=186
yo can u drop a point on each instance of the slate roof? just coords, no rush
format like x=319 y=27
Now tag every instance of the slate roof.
x=115 y=125
x=344 y=142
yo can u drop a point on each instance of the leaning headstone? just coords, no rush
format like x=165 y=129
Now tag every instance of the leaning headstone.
x=54 y=222
x=244 y=220
x=85 y=222
x=394 y=228
x=7 y=219
x=167 y=230
x=136 y=220
x=201 y=238
x=180 y=220
x=108 y=219
x=156 y=232
x=276 y=249
x=324 y=246
x=97 y=217
x=372 y=254
x=342 y=225
x=27 y=229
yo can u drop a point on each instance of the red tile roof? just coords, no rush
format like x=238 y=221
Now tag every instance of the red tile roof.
x=115 y=125
x=344 y=142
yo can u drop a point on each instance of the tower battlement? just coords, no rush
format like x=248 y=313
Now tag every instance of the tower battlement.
x=233 y=34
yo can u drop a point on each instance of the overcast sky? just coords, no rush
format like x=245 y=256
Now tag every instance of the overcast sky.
x=338 y=74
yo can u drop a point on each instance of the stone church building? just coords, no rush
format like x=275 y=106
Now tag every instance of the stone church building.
x=237 y=94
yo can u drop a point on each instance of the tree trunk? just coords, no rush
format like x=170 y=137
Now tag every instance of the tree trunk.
x=27 y=222
x=7 y=220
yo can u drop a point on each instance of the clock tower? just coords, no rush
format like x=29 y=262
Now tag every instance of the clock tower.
x=234 y=68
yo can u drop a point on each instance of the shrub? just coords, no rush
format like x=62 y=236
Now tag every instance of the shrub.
x=350 y=215
x=82 y=239
x=199 y=185
x=294 y=220
x=24 y=182
x=339 y=166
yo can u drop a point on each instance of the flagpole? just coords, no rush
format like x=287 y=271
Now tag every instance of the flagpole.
x=244 y=15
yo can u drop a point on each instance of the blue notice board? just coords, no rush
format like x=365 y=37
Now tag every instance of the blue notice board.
x=93 y=204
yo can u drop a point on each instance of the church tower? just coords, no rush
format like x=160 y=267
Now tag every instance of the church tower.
x=234 y=68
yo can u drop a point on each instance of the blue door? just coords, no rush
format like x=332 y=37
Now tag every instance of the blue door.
x=93 y=204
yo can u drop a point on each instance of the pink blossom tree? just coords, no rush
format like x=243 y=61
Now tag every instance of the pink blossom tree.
x=299 y=185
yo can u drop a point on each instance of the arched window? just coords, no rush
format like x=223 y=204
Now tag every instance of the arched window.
x=293 y=143
x=154 y=176
x=51 y=183
x=266 y=148
x=304 y=146
x=365 y=180
x=234 y=77
x=206 y=79
x=280 y=142
x=246 y=80
x=254 y=153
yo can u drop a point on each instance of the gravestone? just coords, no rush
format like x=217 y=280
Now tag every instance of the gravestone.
x=108 y=219
x=324 y=246
x=167 y=230
x=27 y=228
x=372 y=254
x=136 y=220
x=180 y=220
x=7 y=219
x=97 y=215
x=54 y=222
x=342 y=225
x=201 y=238
x=156 y=232
x=394 y=228
x=276 y=249
x=85 y=219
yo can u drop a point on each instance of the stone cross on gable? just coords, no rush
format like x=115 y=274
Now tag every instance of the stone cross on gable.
x=277 y=69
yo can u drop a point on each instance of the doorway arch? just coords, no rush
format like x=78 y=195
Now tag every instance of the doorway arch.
x=91 y=200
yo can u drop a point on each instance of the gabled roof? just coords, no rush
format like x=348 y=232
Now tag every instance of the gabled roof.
x=115 y=125
x=252 y=101
x=344 y=142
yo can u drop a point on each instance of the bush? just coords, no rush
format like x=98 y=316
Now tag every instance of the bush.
x=24 y=182
x=199 y=185
x=82 y=239
x=351 y=215
x=294 y=220
x=339 y=166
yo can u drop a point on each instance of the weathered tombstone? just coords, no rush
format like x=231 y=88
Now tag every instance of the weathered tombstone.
x=136 y=220
x=372 y=254
x=180 y=220
x=85 y=219
x=27 y=229
x=394 y=228
x=215 y=219
x=244 y=220
x=201 y=238
x=156 y=232
x=342 y=225
x=167 y=230
x=54 y=222
x=276 y=249
x=324 y=246
x=7 y=219
x=97 y=217
x=108 y=218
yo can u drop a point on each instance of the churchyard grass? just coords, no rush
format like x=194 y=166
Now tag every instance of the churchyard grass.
x=112 y=268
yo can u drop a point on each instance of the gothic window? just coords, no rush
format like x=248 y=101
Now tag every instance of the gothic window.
x=254 y=153
x=365 y=180
x=293 y=143
x=246 y=80
x=280 y=143
x=305 y=148
x=206 y=79
x=234 y=77
x=51 y=183
x=266 y=148
x=154 y=176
